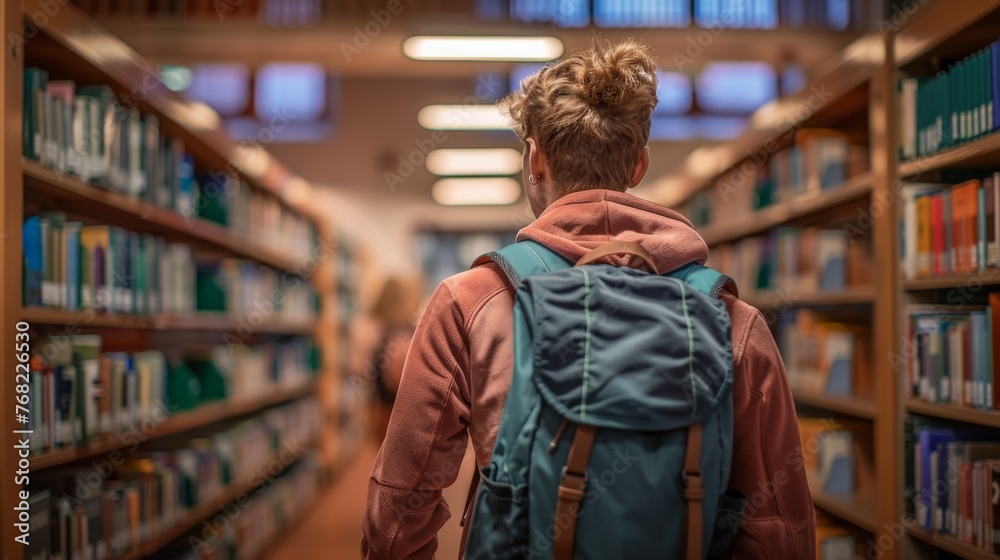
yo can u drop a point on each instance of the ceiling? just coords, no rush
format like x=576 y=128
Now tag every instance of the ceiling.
x=380 y=90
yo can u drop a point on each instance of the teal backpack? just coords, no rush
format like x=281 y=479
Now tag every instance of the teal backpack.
x=616 y=436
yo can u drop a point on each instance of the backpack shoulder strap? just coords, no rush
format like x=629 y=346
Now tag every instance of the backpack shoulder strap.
x=521 y=260
x=704 y=279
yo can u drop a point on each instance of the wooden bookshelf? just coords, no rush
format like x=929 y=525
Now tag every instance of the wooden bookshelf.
x=836 y=87
x=195 y=322
x=857 y=406
x=857 y=509
x=72 y=45
x=207 y=508
x=972 y=281
x=980 y=153
x=784 y=299
x=854 y=189
x=76 y=46
x=958 y=413
x=948 y=543
x=201 y=417
x=70 y=193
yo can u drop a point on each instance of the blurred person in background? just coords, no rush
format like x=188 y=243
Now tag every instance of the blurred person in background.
x=396 y=311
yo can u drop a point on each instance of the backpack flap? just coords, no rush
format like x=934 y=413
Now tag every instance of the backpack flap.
x=620 y=348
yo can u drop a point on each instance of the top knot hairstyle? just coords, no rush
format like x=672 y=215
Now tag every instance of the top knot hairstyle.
x=589 y=114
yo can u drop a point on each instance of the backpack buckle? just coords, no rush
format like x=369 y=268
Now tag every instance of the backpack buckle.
x=689 y=477
x=577 y=481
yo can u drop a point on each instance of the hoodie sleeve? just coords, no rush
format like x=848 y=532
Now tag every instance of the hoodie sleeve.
x=767 y=456
x=425 y=442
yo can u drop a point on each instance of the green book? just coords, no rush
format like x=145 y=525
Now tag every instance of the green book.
x=86 y=354
x=183 y=388
x=101 y=131
x=31 y=139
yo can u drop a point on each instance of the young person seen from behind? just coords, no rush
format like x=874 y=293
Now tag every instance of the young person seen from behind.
x=584 y=122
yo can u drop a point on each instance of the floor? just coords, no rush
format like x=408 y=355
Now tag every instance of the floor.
x=332 y=530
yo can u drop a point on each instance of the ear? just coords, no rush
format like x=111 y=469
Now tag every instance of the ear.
x=536 y=160
x=640 y=168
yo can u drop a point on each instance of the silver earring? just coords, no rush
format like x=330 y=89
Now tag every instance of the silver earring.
x=532 y=180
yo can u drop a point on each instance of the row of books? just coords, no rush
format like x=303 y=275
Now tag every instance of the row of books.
x=246 y=290
x=829 y=455
x=85 y=131
x=823 y=356
x=71 y=266
x=259 y=524
x=132 y=496
x=78 y=392
x=950 y=228
x=953 y=476
x=950 y=353
x=954 y=106
x=819 y=160
x=795 y=260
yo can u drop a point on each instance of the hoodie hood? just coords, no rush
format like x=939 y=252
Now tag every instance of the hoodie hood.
x=581 y=221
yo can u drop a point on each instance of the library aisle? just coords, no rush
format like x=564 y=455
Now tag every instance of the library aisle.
x=221 y=222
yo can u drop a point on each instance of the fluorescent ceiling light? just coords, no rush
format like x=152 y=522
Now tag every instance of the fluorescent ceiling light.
x=471 y=192
x=474 y=161
x=483 y=48
x=462 y=117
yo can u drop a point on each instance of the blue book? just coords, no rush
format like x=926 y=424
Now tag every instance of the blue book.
x=987 y=358
x=31 y=245
x=929 y=439
x=72 y=252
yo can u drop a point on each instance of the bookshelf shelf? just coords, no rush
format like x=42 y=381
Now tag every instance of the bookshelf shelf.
x=949 y=544
x=859 y=508
x=950 y=412
x=972 y=281
x=197 y=322
x=71 y=193
x=856 y=188
x=206 y=509
x=859 y=407
x=982 y=152
x=782 y=299
x=203 y=416
x=939 y=23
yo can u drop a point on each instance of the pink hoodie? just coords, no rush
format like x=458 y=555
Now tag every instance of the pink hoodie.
x=458 y=371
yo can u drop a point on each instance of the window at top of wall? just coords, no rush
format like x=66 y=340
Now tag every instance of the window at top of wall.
x=745 y=14
x=563 y=13
x=674 y=93
x=224 y=87
x=735 y=87
x=650 y=13
x=296 y=92
x=522 y=71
